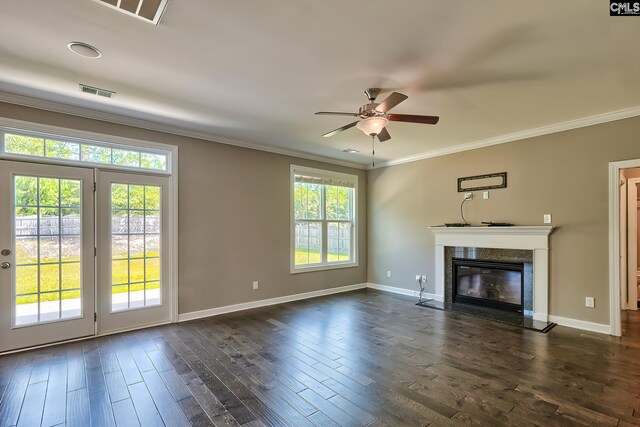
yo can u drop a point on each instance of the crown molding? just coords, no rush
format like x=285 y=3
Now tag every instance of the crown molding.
x=516 y=136
x=89 y=113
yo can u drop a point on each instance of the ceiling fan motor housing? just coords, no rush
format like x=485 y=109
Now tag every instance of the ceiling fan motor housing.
x=369 y=110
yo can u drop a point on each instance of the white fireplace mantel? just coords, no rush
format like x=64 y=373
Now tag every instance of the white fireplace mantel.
x=534 y=238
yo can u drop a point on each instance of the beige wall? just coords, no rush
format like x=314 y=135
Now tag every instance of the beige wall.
x=233 y=217
x=564 y=174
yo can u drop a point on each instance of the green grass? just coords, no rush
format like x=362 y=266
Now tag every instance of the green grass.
x=314 y=257
x=27 y=279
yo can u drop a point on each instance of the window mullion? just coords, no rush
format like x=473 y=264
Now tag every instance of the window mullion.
x=323 y=201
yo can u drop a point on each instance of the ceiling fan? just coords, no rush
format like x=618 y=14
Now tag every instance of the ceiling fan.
x=373 y=117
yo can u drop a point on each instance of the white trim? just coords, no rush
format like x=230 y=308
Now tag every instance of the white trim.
x=89 y=113
x=171 y=173
x=325 y=174
x=632 y=243
x=183 y=317
x=403 y=291
x=600 y=328
x=533 y=238
x=517 y=136
x=615 y=321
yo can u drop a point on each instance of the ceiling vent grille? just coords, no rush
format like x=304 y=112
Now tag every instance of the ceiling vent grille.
x=147 y=10
x=97 y=91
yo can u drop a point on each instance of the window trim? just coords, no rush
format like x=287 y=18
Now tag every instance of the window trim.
x=113 y=140
x=327 y=174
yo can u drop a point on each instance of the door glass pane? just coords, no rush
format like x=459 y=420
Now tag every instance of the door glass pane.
x=135 y=246
x=48 y=266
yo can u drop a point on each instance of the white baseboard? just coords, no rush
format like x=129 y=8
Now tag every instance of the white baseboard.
x=403 y=291
x=183 y=317
x=581 y=324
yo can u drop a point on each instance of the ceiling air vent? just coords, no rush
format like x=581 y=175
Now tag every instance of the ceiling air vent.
x=147 y=10
x=97 y=91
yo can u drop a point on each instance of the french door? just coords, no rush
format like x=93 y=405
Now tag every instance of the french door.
x=132 y=225
x=47 y=273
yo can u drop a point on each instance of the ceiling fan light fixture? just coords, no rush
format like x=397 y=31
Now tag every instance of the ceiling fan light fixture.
x=372 y=125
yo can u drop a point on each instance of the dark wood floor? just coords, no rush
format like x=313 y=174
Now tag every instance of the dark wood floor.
x=361 y=358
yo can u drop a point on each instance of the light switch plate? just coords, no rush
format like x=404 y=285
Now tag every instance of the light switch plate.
x=255 y=284
x=547 y=218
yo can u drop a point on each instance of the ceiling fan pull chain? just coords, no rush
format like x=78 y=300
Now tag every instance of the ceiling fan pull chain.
x=373 y=151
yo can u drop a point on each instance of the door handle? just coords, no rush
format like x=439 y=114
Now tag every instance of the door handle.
x=5 y=265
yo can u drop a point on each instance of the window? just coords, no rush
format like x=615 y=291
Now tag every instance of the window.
x=323 y=219
x=72 y=150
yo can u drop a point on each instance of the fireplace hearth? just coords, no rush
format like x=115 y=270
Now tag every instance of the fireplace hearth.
x=498 y=285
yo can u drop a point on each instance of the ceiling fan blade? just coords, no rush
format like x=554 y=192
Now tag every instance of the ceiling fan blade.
x=392 y=100
x=384 y=135
x=412 y=118
x=345 y=127
x=335 y=113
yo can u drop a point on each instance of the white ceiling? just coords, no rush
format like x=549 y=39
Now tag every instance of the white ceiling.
x=255 y=71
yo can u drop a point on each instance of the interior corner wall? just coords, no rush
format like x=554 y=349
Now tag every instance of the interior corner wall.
x=233 y=217
x=564 y=174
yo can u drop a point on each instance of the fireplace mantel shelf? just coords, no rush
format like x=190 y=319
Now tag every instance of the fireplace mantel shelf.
x=543 y=230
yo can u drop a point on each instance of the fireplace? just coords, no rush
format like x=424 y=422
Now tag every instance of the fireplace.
x=494 y=284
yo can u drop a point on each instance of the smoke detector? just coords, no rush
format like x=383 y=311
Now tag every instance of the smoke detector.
x=96 y=91
x=147 y=10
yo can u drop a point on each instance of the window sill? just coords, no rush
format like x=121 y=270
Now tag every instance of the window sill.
x=322 y=267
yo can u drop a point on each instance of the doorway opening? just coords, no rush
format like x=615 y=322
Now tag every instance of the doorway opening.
x=624 y=241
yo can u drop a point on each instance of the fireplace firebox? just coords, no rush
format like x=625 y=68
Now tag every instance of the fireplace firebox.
x=494 y=284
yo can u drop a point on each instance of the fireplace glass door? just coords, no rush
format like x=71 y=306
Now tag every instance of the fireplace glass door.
x=492 y=284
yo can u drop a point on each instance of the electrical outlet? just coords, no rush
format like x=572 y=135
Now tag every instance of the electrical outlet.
x=418 y=277
x=485 y=195
x=424 y=278
x=547 y=218
x=388 y=273
x=468 y=196
x=589 y=302
x=255 y=284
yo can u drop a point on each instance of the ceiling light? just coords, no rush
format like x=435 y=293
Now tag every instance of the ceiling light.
x=84 y=49
x=351 y=150
x=372 y=125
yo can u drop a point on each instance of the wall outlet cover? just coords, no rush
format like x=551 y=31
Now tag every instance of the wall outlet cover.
x=485 y=195
x=589 y=302
x=547 y=218
x=255 y=284
x=388 y=273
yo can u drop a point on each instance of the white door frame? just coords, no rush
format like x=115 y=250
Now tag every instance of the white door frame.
x=172 y=239
x=615 y=321
x=632 y=243
x=623 y=241
x=41 y=333
x=109 y=322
